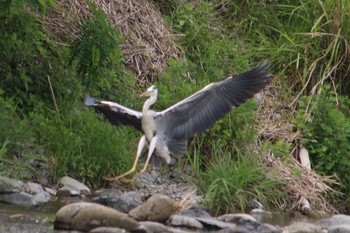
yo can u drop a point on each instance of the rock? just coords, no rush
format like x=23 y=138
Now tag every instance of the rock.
x=51 y=191
x=147 y=178
x=83 y=216
x=157 y=208
x=8 y=185
x=212 y=223
x=336 y=220
x=74 y=186
x=302 y=227
x=33 y=188
x=261 y=215
x=195 y=212
x=124 y=202
x=339 y=229
x=236 y=218
x=20 y=199
x=42 y=198
x=235 y=230
x=184 y=221
x=155 y=227
x=67 y=192
x=107 y=230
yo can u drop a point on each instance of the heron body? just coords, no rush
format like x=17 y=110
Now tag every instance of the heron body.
x=166 y=132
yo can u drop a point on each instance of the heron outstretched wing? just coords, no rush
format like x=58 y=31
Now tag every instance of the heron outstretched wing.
x=202 y=109
x=116 y=113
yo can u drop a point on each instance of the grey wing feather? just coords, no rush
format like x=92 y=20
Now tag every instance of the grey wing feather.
x=202 y=109
x=116 y=113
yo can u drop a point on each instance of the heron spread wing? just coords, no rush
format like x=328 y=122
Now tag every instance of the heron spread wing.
x=202 y=109
x=116 y=113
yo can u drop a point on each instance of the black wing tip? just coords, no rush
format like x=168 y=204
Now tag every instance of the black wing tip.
x=90 y=101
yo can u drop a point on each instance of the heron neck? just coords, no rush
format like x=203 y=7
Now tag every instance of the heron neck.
x=149 y=102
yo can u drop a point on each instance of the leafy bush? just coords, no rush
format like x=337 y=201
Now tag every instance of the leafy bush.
x=32 y=63
x=97 y=56
x=43 y=84
x=326 y=134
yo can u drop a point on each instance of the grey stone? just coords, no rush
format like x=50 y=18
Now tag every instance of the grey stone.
x=155 y=227
x=33 y=188
x=107 y=230
x=51 y=191
x=184 y=221
x=8 y=185
x=303 y=227
x=236 y=218
x=336 y=220
x=83 y=216
x=68 y=190
x=124 y=202
x=157 y=208
x=20 y=199
x=195 y=211
x=42 y=198
x=235 y=230
x=339 y=229
x=74 y=185
x=212 y=223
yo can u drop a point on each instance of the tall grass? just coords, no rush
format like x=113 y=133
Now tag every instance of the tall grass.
x=230 y=184
x=307 y=39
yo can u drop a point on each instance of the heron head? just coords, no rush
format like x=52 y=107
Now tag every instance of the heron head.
x=151 y=91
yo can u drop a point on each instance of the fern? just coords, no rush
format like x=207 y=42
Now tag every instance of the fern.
x=97 y=51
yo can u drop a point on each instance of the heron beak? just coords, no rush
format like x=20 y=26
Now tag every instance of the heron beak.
x=146 y=93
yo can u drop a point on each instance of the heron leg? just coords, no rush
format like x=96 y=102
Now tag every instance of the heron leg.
x=140 y=147
x=152 y=147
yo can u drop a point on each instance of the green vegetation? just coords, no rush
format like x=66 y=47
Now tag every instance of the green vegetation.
x=42 y=87
x=229 y=184
x=326 y=133
x=45 y=129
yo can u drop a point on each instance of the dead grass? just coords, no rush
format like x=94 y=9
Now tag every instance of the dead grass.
x=149 y=43
x=273 y=124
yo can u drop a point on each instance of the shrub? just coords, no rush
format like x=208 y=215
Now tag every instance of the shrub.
x=326 y=134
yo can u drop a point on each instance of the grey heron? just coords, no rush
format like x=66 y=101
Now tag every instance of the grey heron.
x=166 y=132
